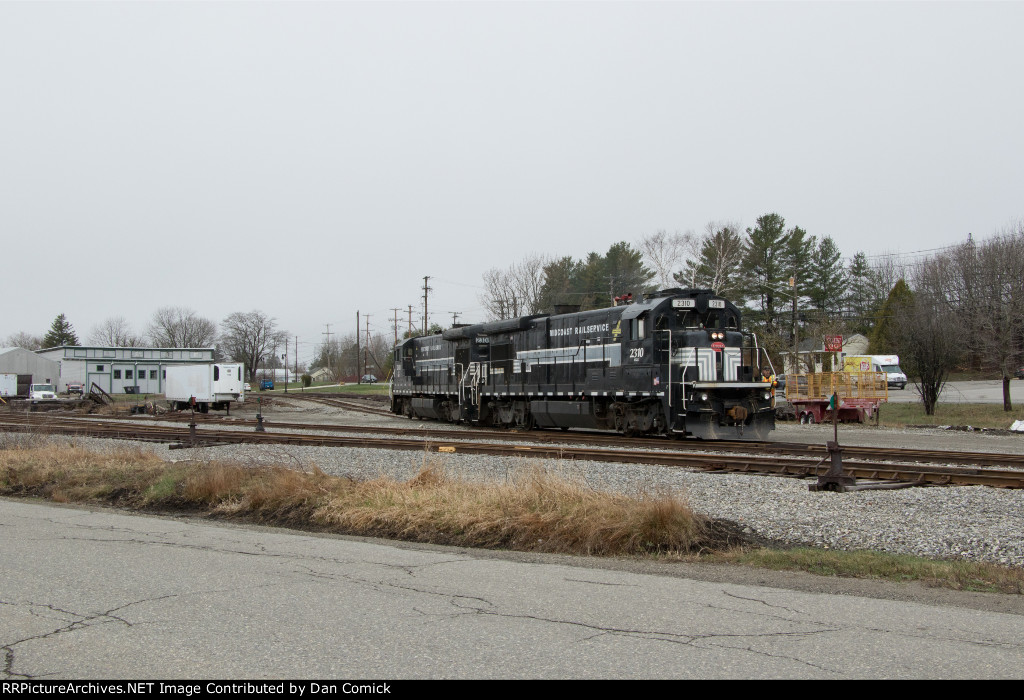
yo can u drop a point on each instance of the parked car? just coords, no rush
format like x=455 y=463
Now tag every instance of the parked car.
x=368 y=379
x=76 y=388
x=1020 y=373
x=248 y=387
x=266 y=384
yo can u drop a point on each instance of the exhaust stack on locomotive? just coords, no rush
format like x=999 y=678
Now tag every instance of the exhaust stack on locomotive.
x=674 y=363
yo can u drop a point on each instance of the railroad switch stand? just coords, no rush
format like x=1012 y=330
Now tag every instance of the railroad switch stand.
x=835 y=479
x=259 y=416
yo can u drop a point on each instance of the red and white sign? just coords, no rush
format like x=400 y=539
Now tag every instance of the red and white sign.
x=833 y=343
x=717 y=346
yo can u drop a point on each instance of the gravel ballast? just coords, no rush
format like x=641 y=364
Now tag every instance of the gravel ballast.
x=973 y=523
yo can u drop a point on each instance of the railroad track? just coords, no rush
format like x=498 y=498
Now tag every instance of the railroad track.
x=360 y=405
x=779 y=465
x=595 y=438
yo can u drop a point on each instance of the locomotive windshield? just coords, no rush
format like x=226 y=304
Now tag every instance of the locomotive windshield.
x=712 y=318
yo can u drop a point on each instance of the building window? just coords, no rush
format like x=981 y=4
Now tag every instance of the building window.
x=127 y=374
x=117 y=374
x=100 y=368
x=164 y=374
x=152 y=374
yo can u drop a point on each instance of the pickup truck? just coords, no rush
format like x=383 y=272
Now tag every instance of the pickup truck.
x=76 y=388
x=266 y=384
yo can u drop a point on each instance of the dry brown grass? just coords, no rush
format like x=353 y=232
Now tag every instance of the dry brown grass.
x=536 y=511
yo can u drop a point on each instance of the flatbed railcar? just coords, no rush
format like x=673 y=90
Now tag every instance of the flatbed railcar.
x=676 y=363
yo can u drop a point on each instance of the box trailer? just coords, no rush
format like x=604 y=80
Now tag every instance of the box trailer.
x=889 y=364
x=8 y=385
x=213 y=386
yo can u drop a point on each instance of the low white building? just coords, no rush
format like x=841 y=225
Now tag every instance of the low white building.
x=121 y=370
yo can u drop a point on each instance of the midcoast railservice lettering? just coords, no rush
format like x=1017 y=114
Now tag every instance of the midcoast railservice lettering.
x=580 y=330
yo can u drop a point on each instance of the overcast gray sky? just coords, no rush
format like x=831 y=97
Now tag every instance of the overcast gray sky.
x=315 y=159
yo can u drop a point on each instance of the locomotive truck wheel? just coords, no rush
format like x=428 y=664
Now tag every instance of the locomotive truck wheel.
x=810 y=419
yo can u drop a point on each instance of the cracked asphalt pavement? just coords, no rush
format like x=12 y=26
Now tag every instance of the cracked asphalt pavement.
x=88 y=593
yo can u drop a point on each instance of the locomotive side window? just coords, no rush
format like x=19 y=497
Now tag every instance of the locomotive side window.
x=639 y=327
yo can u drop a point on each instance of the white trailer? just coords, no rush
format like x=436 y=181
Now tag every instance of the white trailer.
x=213 y=386
x=8 y=385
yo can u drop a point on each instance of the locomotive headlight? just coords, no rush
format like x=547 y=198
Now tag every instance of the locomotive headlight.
x=767 y=396
x=703 y=397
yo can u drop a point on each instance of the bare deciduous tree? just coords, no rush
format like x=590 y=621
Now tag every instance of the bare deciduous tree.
x=178 y=327
x=981 y=286
x=929 y=346
x=516 y=291
x=665 y=253
x=715 y=263
x=23 y=340
x=248 y=337
x=115 y=332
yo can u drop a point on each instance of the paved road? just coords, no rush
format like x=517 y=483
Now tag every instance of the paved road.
x=965 y=392
x=87 y=594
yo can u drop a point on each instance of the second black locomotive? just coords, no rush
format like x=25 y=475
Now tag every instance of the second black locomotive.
x=676 y=363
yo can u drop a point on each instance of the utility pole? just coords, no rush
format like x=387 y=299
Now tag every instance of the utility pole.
x=426 y=292
x=795 y=367
x=359 y=375
x=366 y=347
x=410 y=320
x=285 y=365
x=396 y=325
x=328 y=334
x=296 y=356
x=455 y=317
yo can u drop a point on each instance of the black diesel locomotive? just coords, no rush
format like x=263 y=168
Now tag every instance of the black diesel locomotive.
x=676 y=363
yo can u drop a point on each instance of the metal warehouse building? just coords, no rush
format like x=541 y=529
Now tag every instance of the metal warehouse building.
x=24 y=362
x=114 y=369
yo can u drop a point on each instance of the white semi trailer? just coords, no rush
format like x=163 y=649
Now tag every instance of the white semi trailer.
x=213 y=386
x=8 y=385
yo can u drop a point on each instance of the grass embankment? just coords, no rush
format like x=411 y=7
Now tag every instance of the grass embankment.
x=978 y=415
x=537 y=512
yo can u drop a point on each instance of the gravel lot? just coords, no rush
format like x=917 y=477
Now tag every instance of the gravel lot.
x=976 y=523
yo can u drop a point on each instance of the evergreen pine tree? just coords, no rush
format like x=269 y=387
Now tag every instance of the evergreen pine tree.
x=764 y=267
x=827 y=278
x=60 y=333
x=883 y=339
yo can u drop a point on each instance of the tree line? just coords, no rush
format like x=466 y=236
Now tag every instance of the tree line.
x=249 y=337
x=963 y=305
